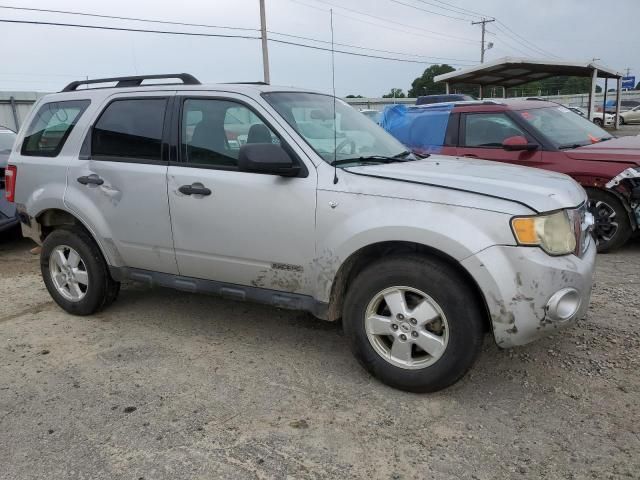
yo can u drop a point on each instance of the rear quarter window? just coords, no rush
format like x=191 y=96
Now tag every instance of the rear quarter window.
x=51 y=126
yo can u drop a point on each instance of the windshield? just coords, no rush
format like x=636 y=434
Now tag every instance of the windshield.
x=563 y=127
x=7 y=138
x=350 y=136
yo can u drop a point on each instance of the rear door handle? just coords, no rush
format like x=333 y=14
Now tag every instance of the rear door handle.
x=92 y=179
x=194 y=189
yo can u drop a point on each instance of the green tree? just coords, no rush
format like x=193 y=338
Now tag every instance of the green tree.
x=394 y=93
x=354 y=96
x=424 y=84
x=638 y=86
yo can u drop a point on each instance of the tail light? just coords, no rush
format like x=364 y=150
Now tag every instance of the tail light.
x=10 y=174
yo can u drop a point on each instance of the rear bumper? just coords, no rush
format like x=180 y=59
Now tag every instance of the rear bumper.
x=530 y=294
x=8 y=214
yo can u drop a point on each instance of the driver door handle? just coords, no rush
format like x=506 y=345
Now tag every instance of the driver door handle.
x=194 y=189
x=92 y=179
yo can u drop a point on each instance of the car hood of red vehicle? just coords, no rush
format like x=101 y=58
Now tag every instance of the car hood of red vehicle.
x=623 y=149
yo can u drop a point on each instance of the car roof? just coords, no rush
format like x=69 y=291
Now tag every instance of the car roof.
x=248 y=88
x=492 y=105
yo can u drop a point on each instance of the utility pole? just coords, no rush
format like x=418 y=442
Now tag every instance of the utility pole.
x=263 y=36
x=483 y=22
x=628 y=72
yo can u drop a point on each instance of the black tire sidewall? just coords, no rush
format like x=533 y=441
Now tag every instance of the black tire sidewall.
x=92 y=258
x=448 y=289
x=624 y=232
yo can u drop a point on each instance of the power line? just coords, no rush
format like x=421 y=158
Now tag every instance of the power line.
x=381 y=19
x=359 y=54
x=369 y=48
x=523 y=41
x=437 y=5
x=140 y=30
x=124 y=29
x=429 y=11
x=135 y=19
x=463 y=9
x=138 y=19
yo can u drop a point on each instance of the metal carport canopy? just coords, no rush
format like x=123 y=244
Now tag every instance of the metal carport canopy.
x=510 y=72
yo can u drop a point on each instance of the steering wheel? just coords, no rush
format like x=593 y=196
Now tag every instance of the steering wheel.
x=344 y=143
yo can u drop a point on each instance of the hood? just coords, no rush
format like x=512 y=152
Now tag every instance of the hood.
x=540 y=190
x=622 y=150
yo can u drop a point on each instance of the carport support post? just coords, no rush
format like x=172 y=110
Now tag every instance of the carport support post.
x=604 y=102
x=618 y=99
x=446 y=86
x=592 y=93
x=14 y=111
x=481 y=93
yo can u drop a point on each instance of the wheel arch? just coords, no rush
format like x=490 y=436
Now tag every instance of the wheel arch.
x=359 y=259
x=51 y=219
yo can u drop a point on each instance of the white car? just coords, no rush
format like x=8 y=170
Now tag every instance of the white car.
x=609 y=119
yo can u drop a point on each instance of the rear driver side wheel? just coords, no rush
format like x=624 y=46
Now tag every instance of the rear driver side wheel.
x=75 y=273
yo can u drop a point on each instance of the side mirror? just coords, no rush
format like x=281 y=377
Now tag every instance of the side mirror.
x=266 y=158
x=518 y=143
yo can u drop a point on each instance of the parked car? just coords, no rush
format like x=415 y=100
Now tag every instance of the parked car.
x=625 y=105
x=609 y=119
x=373 y=115
x=543 y=135
x=8 y=216
x=450 y=97
x=418 y=257
x=630 y=116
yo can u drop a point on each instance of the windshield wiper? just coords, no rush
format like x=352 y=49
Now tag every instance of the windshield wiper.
x=401 y=157
x=571 y=145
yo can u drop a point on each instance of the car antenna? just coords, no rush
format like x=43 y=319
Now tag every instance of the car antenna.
x=335 y=120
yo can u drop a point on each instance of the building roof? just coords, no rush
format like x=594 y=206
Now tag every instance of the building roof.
x=514 y=71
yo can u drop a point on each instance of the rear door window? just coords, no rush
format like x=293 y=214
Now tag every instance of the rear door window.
x=51 y=127
x=130 y=129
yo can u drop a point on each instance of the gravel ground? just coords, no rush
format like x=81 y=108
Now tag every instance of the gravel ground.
x=168 y=385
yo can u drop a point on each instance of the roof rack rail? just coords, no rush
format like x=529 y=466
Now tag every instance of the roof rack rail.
x=133 y=81
x=246 y=83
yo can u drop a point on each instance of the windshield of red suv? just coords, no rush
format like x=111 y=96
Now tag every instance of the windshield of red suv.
x=564 y=128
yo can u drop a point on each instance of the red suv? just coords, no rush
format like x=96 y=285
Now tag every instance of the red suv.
x=536 y=134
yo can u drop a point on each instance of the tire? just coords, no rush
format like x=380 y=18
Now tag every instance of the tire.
x=621 y=120
x=454 y=336
x=598 y=121
x=85 y=288
x=612 y=224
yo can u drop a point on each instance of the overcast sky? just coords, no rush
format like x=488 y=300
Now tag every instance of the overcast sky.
x=45 y=58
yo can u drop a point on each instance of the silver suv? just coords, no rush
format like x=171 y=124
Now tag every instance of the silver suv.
x=294 y=199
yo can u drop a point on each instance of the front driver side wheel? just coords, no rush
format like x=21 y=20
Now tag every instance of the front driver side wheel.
x=413 y=322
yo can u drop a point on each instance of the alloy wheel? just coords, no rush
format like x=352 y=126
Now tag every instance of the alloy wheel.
x=606 y=224
x=68 y=273
x=406 y=327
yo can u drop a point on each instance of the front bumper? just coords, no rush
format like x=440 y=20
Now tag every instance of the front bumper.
x=522 y=287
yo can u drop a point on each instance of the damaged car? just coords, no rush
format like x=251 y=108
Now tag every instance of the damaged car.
x=418 y=256
x=538 y=134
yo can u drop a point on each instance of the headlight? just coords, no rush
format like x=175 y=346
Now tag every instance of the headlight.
x=554 y=233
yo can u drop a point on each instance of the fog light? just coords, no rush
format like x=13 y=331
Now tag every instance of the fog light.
x=564 y=304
